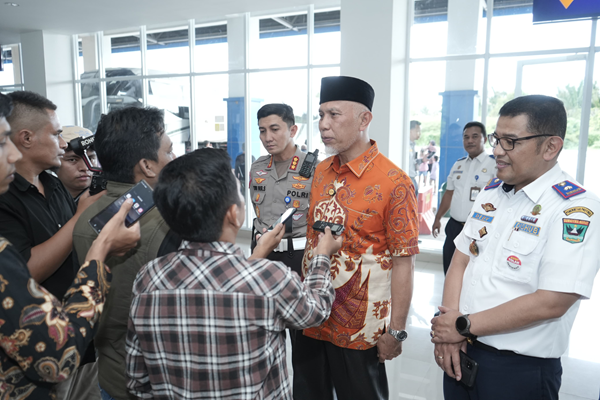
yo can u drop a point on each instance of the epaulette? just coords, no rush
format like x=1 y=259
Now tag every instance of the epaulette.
x=568 y=189
x=460 y=159
x=493 y=183
x=492 y=157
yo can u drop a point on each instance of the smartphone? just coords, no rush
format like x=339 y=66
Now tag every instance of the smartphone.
x=142 y=203
x=468 y=369
x=336 y=229
x=283 y=218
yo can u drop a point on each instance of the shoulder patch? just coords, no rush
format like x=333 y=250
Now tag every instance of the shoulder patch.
x=568 y=189
x=494 y=183
x=460 y=159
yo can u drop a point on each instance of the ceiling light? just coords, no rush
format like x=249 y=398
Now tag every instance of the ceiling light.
x=11 y=4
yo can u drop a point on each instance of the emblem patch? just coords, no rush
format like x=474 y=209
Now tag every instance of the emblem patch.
x=527 y=218
x=531 y=229
x=568 y=189
x=513 y=262
x=261 y=173
x=259 y=180
x=296 y=203
x=287 y=199
x=294 y=163
x=494 y=183
x=583 y=210
x=481 y=217
x=483 y=232
x=257 y=198
x=473 y=248
x=537 y=209
x=488 y=207
x=574 y=230
x=297 y=216
x=298 y=186
x=299 y=178
x=257 y=211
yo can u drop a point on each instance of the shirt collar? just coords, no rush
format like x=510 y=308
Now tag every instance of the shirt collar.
x=215 y=247
x=360 y=163
x=536 y=188
x=481 y=158
x=23 y=184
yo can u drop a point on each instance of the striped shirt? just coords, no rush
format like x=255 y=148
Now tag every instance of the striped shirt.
x=207 y=323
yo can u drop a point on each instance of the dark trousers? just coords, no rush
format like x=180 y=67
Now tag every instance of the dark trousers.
x=503 y=376
x=293 y=260
x=320 y=367
x=453 y=228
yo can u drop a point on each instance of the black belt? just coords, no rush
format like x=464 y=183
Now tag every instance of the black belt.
x=483 y=346
x=462 y=223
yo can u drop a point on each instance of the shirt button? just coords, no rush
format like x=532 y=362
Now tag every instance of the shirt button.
x=509 y=210
x=277 y=183
x=473 y=282
x=497 y=235
x=466 y=308
x=487 y=259
x=517 y=244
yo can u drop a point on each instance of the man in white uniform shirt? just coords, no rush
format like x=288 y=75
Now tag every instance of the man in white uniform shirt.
x=466 y=179
x=527 y=255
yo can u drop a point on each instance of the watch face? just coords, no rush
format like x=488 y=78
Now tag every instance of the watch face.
x=461 y=323
x=403 y=335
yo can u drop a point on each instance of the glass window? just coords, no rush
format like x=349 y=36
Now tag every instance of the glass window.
x=173 y=96
x=551 y=76
x=122 y=55
x=282 y=42
x=327 y=37
x=592 y=160
x=428 y=80
x=87 y=57
x=211 y=51
x=512 y=33
x=168 y=51
x=287 y=87
x=11 y=66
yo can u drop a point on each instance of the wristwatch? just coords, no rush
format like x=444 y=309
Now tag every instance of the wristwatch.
x=463 y=326
x=398 y=335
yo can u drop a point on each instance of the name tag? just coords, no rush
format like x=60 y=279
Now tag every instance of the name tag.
x=481 y=217
x=531 y=229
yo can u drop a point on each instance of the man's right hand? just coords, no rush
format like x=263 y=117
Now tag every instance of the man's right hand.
x=435 y=228
x=115 y=238
x=328 y=244
x=86 y=200
x=266 y=242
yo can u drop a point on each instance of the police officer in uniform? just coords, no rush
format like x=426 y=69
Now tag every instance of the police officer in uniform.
x=275 y=183
x=526 y=257
x=466 y=179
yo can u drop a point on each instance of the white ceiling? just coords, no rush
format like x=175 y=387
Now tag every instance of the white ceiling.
x=84 y=16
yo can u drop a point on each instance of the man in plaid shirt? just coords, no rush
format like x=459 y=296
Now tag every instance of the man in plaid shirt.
x=206 y=322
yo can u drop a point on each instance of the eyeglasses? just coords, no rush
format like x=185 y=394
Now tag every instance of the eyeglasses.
x=507 y=144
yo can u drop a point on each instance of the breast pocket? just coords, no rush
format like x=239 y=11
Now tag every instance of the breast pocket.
x=520 y=257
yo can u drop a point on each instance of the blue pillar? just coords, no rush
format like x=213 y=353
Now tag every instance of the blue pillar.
x=236 y=130
x=458 y=108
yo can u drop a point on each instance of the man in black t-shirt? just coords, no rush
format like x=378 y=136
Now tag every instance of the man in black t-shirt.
x=38 y=214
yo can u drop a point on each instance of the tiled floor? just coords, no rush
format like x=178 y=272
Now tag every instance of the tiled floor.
x=415 y=375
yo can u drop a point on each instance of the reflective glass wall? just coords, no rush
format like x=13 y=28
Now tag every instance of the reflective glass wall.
x=211 y=78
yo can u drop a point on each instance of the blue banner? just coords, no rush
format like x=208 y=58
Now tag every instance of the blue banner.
x=558 y=10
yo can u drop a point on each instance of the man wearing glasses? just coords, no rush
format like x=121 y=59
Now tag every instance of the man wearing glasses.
x=525 y=258
x=466 y=179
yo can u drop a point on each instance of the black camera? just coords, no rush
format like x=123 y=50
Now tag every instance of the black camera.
x=79 y=146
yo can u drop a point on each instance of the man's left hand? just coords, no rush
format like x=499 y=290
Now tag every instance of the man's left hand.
x=388 y=347
x=443 y=327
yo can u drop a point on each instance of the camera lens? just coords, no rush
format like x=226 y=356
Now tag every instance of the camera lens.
x=469 y=365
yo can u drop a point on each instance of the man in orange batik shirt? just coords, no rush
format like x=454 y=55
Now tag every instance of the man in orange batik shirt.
x=374 y=200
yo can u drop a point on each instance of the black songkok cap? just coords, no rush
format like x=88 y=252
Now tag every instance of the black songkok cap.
x=334 y=88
